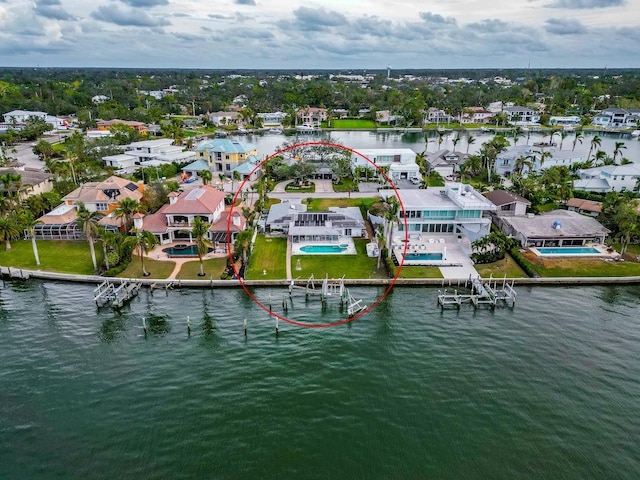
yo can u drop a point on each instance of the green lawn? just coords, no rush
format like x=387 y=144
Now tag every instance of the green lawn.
x=55 y=256
x=418 y=271
x=269 y=254
x=213 y=268
x=581 y=267
x=324 y=203
x=498 y=269
x=157 y=268
x=351 y=266
x=346 y=185
x=353 y=124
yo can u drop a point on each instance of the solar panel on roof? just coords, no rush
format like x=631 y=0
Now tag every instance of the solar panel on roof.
x=194 y=194
x=131 y=186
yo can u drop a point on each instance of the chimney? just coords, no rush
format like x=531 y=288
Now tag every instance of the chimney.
x=173 y=197
x=235 y=219
x=138 y=220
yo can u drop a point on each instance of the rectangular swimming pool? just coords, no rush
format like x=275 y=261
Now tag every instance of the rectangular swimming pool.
x=423 y=256
x=324 y=248
x=568 y=251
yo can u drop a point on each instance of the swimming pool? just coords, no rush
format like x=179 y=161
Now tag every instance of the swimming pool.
x=324 y=248
x=423 y=256
x=568 y=251
x=183 y=251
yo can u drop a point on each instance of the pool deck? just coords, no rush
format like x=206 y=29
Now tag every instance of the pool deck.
x=157 y=253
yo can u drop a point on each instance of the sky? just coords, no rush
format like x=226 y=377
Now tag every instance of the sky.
x=320 y=34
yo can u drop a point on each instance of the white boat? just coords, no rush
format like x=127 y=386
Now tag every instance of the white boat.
x=307 y=128
x=635 y=133
x=275 y=131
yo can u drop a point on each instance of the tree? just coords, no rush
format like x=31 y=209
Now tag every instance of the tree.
x=577 y=138
x=470 y=141
x=392 y=209
x=44 y=150
x=521 y=162
x=235 y=176
x=143 y=241
x=10 y=182
x=206 y=176
x=30 y=224
x=341 y=167
x=618 y=150
x=563 y=134
x=518 y=132
x=596 y=141
x=543 y=155
x=8 y=230
x=125 y=210
x=455 y=141
x=625 y=217
x=199 y=235
x=88 y=224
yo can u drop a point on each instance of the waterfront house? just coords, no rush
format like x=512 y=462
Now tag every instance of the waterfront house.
x=507 y=161
x=455 y=209
x=617 y=118
x=475 y=115
x=105 y=196
x=522 y=115
x=333 y=225
x=224 y=155
x=558 y=228
x=272 y=119
x=223 y=118
x=312 y=116
x=609 y=178
x=508 y=203
x=400 y=162
x=174 y=221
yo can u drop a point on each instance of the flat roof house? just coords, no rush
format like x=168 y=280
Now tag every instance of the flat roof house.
x=610 y=178
x=455 y=208
x=400 y=162
x=558 y=228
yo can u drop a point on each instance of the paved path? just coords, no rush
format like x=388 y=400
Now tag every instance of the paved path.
x=288 y=260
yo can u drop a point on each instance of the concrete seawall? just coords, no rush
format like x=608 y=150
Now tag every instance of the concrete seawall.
x=19 y=273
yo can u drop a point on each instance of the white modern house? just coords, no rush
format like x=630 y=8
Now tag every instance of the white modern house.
x=455 y=209
x=148 y=153
x=610 y=178
x=507 y=161
x=617 y=117
x=271 y=119
x=522 y=115
x=401 y=162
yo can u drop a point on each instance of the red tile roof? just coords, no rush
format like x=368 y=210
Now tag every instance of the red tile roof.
x=200 y=200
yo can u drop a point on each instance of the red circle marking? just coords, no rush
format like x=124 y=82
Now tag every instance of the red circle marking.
x=345 y=320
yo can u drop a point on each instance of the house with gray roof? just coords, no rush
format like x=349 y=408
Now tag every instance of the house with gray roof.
x=609 y=178
x=506 y=162
x=558 y=228
x=293 y=219
x=508 y=203
x=446 y=162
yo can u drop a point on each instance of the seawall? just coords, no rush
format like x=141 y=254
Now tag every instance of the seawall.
x=19 y=273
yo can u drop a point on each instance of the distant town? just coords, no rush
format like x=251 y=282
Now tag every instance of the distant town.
x=159 y=173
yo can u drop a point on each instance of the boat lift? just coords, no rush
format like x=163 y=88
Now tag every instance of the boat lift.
x=483 y=292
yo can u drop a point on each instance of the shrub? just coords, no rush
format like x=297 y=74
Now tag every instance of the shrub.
x=523 y=263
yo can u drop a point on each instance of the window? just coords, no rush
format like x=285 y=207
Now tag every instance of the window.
x=101 y=207
x=227 y=167
x=226 y=157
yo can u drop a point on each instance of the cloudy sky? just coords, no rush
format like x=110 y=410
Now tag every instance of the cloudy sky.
x=338 y=34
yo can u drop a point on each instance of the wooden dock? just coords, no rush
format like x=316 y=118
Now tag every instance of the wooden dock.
x=115 y=295
x=490 y=292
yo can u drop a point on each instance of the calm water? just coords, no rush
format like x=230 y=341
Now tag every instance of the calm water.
x=267 y=143
x=550 y=389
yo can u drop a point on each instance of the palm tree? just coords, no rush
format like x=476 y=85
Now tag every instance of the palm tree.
x=126 y=209
x=8 y=231
x=544 y=154
x=31 y=229
x=470 y=141
x=109 y=239
x=90 y=230
x=600 y=157
x=577 y=139
x=235 y=176
x=393 y=207
x=618 y=150
x=143 y=241
x=596 y=141
x=626 y=218
x=563 y=134
x=521 y=162
x=11 y=181
x=199 y=235
x=221 y=177
x=517 y=133
x=206 y=176
x=455 y=141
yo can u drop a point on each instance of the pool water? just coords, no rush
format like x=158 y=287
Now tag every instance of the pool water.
x=423 y=256
x=568 y=251
x=324 y=248
x=183 y=251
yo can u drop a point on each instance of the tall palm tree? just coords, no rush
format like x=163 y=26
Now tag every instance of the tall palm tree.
x=577 y=138
x=221 y=177
x=521 y=162
x=109 y=239
x=11 y=183
x=596 y=141
x=518 y=132
x=563 y=134
x=143 y=241
x=31 y=229
x=618 y=150
x=393 y=207
x=8 y=231
x=206 y=176
x=199 y=235
x=455 y=141
x=470 y=141
x=235 y=176
x=544 y=154
x=90 y=230
x=127 y=208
